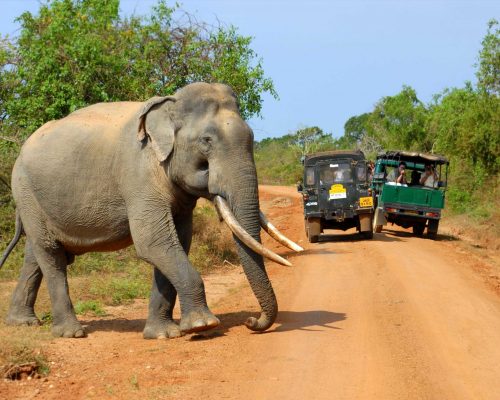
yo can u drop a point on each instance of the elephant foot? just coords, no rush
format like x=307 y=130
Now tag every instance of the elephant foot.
x=71 y=329
x=26 y=317
x=167 y=329
x=196 y=321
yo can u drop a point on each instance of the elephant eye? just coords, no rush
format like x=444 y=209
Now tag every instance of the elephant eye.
x=205 y=144
x=206 y=140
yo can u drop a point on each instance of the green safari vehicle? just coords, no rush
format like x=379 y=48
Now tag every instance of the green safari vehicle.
x=408 y=190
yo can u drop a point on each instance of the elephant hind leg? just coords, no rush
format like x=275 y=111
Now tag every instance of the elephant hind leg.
x=53 y=263
x=160 y=324
x=22 y=306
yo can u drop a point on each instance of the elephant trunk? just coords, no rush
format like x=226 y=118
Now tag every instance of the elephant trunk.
x=244 y=203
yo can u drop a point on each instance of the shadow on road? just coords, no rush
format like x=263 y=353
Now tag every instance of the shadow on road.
x=286 y=321
x=307 y=320
x=114 y=325
x=354 y=237
x=396 y=234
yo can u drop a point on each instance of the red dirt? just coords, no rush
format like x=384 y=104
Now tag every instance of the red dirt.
x=396 y=317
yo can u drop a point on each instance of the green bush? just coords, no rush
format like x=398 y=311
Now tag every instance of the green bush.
x=90 y=306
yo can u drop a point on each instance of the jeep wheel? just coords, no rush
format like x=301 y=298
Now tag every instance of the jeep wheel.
x=418 y=228
x=313 y=229
x=432 y=228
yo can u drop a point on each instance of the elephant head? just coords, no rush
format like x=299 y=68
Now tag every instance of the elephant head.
x=206 y=149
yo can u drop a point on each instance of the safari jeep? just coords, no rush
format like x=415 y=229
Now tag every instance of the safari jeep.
x=416 y=203
x=335 y=192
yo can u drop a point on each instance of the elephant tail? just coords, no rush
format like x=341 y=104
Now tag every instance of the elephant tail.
x=12 y=244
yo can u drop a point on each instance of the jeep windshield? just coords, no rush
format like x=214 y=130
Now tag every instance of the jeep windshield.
x=333 y=173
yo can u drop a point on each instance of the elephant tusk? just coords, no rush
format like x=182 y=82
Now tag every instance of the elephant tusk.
x=277 y=235
x=244 y=236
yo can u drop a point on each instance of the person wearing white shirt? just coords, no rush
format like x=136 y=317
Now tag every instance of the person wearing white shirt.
x=429 y=177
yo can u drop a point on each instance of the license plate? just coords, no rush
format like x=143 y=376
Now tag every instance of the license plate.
x=365 y=202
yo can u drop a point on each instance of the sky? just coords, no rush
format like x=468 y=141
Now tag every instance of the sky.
x=333 y=59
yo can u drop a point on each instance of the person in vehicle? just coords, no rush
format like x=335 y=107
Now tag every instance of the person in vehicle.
x=415 y=178
x=429 y=177
x=343 y=174
x=371 y=170
x=398 y=175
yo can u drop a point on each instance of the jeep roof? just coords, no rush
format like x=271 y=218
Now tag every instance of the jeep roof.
x=311 y=159
x=412 y=156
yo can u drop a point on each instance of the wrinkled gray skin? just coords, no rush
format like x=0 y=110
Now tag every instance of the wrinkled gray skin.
x=114 y=174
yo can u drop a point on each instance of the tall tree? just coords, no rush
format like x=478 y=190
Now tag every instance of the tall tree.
x=309 y=140
x=488 y=73
x=399 y=121
x=355 y=129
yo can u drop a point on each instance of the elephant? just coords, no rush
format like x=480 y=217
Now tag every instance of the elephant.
x=115 y=174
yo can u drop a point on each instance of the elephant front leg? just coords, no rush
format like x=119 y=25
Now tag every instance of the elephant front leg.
x=22 y=306
x=162 y=248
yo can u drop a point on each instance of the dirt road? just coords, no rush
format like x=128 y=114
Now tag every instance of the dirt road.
x=396 y=317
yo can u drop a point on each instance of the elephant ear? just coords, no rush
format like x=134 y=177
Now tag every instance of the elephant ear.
x=156 y=123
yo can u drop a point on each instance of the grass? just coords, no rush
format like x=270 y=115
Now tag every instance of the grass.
x=23 y=346
x=212 y=241
x=93 y=307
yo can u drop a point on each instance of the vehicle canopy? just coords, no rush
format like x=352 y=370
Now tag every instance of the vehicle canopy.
x=411 y=157
x=311 y=159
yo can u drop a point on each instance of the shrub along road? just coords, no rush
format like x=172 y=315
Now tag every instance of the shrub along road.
x=390 y=318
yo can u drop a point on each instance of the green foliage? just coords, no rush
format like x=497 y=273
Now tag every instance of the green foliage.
x=93 y=307
x=354 y=131
x=399 y=122
x=468 y=125
x=213 y=244
x=125 y=289
x=488 y=74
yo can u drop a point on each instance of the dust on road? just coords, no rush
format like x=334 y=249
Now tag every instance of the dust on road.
x=397 y=317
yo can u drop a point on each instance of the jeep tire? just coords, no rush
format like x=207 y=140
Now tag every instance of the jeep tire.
x=432 y=228
x=418 y=228
x=313 y=229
